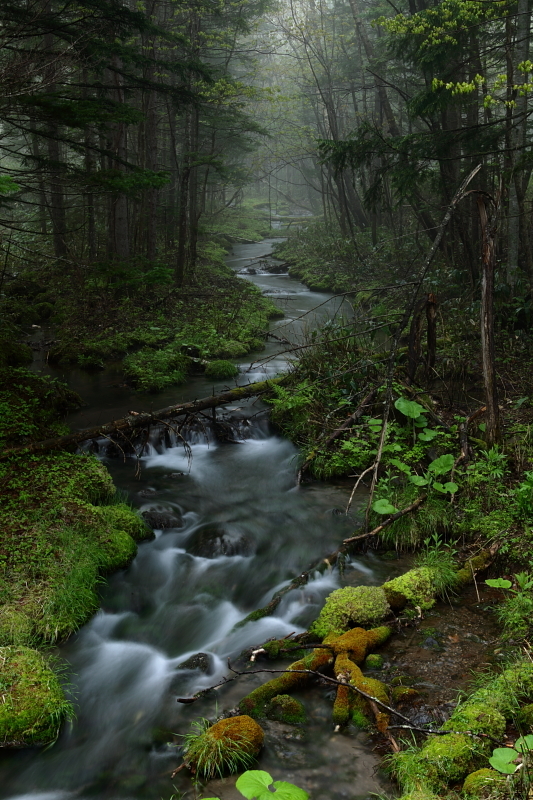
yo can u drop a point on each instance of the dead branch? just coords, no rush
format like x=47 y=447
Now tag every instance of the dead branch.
x=140 y=420
x=418 y=502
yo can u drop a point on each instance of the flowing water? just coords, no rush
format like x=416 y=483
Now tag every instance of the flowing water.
x=181 y=597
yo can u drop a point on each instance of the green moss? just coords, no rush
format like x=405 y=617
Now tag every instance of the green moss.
x=350 y=606
x=452 y=755
x=359 y=719
x=374 y=661
x=484 y=783
x=285 y=708
x=414 y=774
x=120 y=516
x=226 y=747
x=221 y=369
x=505 y=691
x=33 y=705
x=477 y=718
x=416 y=586
x=153 y=370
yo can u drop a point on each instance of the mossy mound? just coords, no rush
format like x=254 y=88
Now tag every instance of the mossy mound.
x=479 y=718
x=285 y=708
x=349 y=607
x=374 y=661
x=226 y=747
x=403 y=694
x=33 y=706
x=55 y=544
x=221 y=369
x=483 y=783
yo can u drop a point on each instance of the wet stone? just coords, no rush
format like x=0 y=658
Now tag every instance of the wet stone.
x=212 y=541
x=200 y=661
x=159 y=520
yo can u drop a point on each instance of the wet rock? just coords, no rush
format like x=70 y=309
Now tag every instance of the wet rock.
x=148 y=492
x=159 y=520
x=275 y=269
x=212 y=541
x=200 y=661
x=430 y=643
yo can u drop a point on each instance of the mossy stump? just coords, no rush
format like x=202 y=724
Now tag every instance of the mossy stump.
x=226 y=747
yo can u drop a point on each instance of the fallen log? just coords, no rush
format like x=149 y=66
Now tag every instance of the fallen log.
x=139 y=420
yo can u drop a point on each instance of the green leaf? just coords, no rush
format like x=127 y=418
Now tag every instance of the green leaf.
x=418 y=480
x=400 y=465
x=421 y=422
x=524 y=744
x=442 y=464
x=383 y=507
x=8 y=185
x=450 y=487
x=254 y=783
x=409 y=408
x=498 y=583
x=501 y=760
x=439 y=487
x=482 y=426
x=427 y=435
x=375 y=423
x=288 y=791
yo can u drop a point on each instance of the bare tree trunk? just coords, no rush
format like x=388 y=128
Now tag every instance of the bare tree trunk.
x=488 y=261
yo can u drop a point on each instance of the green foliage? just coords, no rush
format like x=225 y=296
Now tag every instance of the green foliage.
x=221 y=369
x=439 y=559
x=503 y=757
x=153 y=370
x=227 y=746
x=523 y=496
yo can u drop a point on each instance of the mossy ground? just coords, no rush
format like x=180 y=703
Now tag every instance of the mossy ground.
x=61 y=529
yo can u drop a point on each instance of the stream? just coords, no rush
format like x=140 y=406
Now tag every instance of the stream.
x=179 y=597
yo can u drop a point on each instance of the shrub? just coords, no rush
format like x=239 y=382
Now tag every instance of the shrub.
x=221 y=369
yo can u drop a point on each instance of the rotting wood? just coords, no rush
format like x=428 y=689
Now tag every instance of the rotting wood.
x=141 y=419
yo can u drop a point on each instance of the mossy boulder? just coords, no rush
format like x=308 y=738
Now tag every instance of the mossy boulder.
x=349 y=607
x=403 y=694
x=480 y=718
x=221 y=369
x=285 y=708
x=33 y=706
x=484 y=783
x=226 y=747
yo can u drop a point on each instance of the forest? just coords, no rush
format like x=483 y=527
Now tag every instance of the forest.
x=266 y=405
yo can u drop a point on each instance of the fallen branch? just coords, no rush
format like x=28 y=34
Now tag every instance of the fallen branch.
x=418 y=502
x=139 y=420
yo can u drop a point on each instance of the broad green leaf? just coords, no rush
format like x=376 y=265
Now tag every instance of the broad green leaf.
x=442 y=464
x=439 y=487
x=400 y=465
x=408 y=408
x=418 y=480
x=421 y=421
x=375 y=423
x=383 y=507
x=450 y=487
x=498 y=583
x=427 y=435
x=501 y=760
x=482 y=426
x=524 y=744
x=253 y=784
x=288 y=791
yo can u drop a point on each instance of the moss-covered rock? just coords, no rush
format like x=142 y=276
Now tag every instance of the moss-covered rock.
x=452 y=756
x=226 y=747
x=403 y=694
x=524 y=718
x=33 y=706
x=478 y=717
x=415 y=586
x=374 y=661
x=285 y=708
x=484 y=783
x=349 y=607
